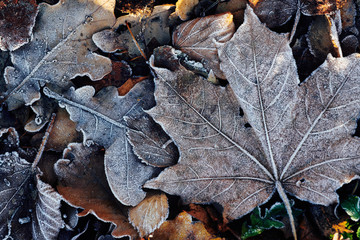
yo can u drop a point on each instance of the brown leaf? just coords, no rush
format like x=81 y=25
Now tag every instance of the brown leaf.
x=82 y=183
x=182 y=228
x=348 y=14
x=61 y=49
x=323 y=38
x=17 y=19
x=149 y=214
x=198 y=39
x=297 y=139
x=129 y=84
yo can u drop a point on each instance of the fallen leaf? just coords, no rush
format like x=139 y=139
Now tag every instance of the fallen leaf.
x=323 y=38
x=236 y=7
x=21 y=204
x=276 y=13
x=349 y=45
x=17 y=19
x=61 y=48
x=182 y=227
x=300 y=140
x=198 y=39
x=100 y=119
x=150 y=143
x=125 y=173
x=348 y=14
x=129 y=84
x=184 y=8
x=148 y=215
x=100 y=116
x=144 y=28
x=82 y=183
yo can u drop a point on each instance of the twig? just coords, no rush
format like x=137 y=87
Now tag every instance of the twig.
x=44 y=141
x=136 y=43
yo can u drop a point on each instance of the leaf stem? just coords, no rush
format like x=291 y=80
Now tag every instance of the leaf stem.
x=287 y=204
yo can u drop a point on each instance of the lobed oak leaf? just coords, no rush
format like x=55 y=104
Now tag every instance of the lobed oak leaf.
x=17 y=19
x=300 y=140
x=82 y=183
x=100 y=118
x=61 y=48
x=198 y=39
x=148 y=215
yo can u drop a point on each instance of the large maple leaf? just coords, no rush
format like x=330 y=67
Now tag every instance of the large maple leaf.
x=300 y=140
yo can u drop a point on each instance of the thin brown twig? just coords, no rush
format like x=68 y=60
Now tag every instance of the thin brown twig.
x=136 y=43
x=44 y=141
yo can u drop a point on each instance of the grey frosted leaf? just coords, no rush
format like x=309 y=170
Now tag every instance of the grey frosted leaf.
x=198 y=39
x=125 y=173
x=47 y=220
x=206 y=124
x=100 y=117
x=150 y=143
x=148 y=215
x=300 y=140
x=61 y=49
x=15 y=177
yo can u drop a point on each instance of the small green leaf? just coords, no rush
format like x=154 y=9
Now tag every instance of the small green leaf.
x=358 y=233
x=352 y=207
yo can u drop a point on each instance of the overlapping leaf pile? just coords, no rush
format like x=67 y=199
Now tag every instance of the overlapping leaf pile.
x=261 y=134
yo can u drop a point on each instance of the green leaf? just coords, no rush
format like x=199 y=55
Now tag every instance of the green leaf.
x=358 y=233
x=352 y=207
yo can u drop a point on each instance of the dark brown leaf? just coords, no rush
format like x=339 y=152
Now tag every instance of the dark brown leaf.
x=82 y=182
x=17 y=19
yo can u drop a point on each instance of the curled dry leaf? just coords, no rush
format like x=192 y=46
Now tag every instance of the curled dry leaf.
x=148 y=215
x=182 y=227
x=17 y=19
x=82 y=183
x=100 y=118
x=144 y=29
x=61 y=49
x=198 y=39
x=300 y=140
x=150 y=142
x=278 y=12
x=322 y=38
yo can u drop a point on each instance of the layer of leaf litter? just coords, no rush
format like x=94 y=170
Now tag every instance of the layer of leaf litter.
x=61 y=49
x=300 y=140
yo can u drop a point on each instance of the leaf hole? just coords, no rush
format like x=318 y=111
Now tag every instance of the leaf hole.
x=241 y=112
x=247 y=125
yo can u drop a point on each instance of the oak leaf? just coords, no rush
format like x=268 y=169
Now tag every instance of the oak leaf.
x=82 y=183
x=297 y=139
x=61 y=48
x=100 y=118
x=198 y=39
